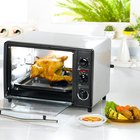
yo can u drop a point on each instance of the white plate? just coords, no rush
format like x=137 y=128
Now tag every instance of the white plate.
x=89 y=123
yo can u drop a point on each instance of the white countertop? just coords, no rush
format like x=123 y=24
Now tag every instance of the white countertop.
x=124 y=89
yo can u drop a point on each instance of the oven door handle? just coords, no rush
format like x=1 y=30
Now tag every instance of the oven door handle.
x=28 y=120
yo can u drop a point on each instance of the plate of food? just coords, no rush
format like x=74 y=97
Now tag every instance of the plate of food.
x=119 y=113
x=92 y=119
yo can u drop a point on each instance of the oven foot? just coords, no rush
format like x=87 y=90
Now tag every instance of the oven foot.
x=9 y=100
x=104 y=98
x=90 y=109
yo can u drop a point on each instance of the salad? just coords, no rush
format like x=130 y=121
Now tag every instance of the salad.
x=118 y=112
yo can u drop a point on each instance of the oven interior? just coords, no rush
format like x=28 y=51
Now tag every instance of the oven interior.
x=40 y=73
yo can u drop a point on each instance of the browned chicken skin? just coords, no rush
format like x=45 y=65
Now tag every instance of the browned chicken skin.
x=136 y=112
x=128 y=114
x=50 y=67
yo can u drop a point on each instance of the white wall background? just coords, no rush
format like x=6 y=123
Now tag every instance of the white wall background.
x=12 y=12
x=40 y=11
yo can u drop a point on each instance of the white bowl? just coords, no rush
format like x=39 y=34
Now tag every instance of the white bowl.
x=90 y=123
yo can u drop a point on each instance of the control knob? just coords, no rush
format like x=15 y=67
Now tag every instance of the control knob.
x=83 y=78
x=83 y=94
x=83 y=62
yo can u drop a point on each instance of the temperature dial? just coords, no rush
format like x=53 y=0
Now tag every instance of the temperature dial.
x=83 y=62
x=83 y=78
x=83 y=94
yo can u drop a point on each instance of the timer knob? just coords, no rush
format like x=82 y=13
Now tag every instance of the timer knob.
x=83 y=62
x=83 y=94
x=83 y=78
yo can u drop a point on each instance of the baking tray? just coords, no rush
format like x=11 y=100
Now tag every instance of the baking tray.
x=43 y=84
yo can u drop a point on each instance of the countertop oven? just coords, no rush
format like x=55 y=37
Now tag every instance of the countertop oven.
x=57 y=67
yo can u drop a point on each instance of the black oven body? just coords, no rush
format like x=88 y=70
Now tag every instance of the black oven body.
x=82 y=73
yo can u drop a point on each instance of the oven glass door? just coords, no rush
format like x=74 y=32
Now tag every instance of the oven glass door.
x=39 y=73
x=40 y=81
x=33 y=107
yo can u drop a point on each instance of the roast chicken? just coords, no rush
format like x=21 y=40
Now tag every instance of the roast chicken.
x=50 y=68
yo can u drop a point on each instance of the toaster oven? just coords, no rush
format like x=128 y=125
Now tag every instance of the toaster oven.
x=57 y=67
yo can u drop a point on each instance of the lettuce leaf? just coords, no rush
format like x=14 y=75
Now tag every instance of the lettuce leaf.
x=110 y=104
